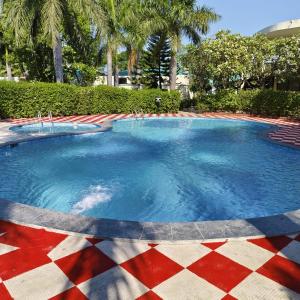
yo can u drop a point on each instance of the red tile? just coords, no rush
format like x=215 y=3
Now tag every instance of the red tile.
x=149 y=296
x=34 y=245
x=229 y=297
x=4 y=293
x=94 y=241
x=20 y=261
x=220 y=271
x=85 y=264
x=71 y=294
x=213 y=246
x=29 y=238
x=153 y=245
x=151 y=267
x=283 y=271
x=273 y=244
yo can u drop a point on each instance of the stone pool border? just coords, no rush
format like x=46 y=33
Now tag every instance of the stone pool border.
x=283 y=224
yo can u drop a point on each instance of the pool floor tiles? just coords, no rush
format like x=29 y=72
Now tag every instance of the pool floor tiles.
x=37 y=263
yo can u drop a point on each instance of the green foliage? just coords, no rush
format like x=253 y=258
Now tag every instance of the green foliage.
x=232 y=61
x=26 y=99
x=156 y=61
x=258 y=102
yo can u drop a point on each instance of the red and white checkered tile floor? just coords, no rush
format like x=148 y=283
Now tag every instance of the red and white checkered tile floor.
x=36 y=263
x=288 y=132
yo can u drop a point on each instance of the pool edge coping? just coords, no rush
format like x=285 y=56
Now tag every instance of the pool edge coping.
x=282 y=224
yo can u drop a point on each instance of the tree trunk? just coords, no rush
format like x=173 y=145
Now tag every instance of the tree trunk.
x=138 y=69
x=58 y=60
x=8 y=66
x=109 y=65
x=159 y=75
x=116 y=75
x=173 y=71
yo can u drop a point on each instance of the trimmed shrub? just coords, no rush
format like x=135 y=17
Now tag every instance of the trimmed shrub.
x=27 y=99
x=259 y=102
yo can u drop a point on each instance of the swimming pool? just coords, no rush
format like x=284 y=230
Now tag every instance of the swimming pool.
x=49 y=127
x=167 y=170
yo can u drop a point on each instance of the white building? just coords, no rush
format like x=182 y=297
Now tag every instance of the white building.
x=282 y=29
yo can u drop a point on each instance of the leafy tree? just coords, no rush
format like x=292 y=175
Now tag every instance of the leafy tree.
x=156 y=61
x=235 y=61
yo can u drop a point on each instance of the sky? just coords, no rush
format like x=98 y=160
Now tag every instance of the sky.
x=248 y=17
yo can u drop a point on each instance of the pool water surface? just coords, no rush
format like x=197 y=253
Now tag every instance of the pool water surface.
x=160 y=170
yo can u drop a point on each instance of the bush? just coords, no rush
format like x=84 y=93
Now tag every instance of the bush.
x=259 y=102
x=27 y=99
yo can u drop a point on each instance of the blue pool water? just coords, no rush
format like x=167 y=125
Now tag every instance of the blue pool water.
x=157 y=170
x=48 y=127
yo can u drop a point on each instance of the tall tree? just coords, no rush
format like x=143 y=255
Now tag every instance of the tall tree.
x=27 y=18
x=156 y=61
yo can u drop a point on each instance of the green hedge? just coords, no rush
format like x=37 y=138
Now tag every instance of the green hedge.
x=27 y=99
x=259 y=102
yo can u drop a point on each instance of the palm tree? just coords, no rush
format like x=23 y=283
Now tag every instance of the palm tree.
x=26 y=18
x=140 y=21
x=182 y=18
x=109 y=26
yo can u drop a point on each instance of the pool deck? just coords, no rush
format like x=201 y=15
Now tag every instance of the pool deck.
x=40 y=263
x=218 y=261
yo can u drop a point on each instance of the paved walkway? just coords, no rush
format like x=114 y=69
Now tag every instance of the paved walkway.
x=36 y=263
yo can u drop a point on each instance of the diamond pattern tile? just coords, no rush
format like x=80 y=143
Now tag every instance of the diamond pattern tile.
x=183 y=254
x=291 y=251
x=49 y=279
x=122 y=251
x=149 y=296
x=283 y=271
x=220 y=271
x=116 y=283
x=4 y=293
x=41 y=264
x=245 y=254
x=6 y=248
x=68 y=246
x=187 y=283
x=72 y=294
x=151 y=267
x=85 y=264
x=214 y=245
x=273 y=244
x=256 y=286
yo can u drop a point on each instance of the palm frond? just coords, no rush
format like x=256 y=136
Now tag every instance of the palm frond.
x=52 y=17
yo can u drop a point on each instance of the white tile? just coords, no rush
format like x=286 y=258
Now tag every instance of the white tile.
x=291 y=251
x=186 y=285
x=69 y=245
x=245 y=253
x=39 y=284
x=256 y=286
x=122 y=251
x=184 y=254
x=6 y=248
x=115 y=283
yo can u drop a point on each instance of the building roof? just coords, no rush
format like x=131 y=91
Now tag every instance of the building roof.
x=282 y=29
